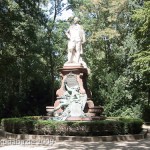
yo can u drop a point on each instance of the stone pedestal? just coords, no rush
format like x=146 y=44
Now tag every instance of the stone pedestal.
x=76 y=75
x=81 y=79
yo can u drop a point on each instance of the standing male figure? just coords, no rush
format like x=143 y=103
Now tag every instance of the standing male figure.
x=76 y=36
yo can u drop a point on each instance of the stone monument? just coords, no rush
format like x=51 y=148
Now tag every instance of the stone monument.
x=74 y=99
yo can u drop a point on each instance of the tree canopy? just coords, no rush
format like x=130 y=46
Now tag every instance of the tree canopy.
x=33 y=47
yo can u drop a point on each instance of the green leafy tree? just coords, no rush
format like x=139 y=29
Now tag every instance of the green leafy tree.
x=18 y=40
x=31 y=52
x=110 y=45
x=141 y=59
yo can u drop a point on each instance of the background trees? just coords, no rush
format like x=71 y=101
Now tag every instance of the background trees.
x=111 y=52
x=29 y=56
x=33 y=48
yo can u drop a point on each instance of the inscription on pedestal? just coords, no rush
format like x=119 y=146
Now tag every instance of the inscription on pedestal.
x=71 y=80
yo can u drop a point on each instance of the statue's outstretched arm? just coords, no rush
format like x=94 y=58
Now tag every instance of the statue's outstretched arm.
x=83 y=35
x=84 y=39
x=68 y=33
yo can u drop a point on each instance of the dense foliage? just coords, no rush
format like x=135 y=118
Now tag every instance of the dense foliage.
x=30 y=125
x=29 y=44
x=117 y=54
x=33 y=48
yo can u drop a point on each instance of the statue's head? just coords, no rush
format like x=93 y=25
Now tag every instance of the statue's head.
x=76 y=20
x=71 y=19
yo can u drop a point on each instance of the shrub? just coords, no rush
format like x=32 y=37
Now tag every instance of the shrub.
x=18 y=125
x=132 y=126
x=113 y=126
x=145 y=113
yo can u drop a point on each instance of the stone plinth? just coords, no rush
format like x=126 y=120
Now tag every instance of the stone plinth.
x=80 y=72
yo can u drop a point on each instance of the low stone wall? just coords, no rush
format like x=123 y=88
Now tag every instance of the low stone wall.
x=57 y=138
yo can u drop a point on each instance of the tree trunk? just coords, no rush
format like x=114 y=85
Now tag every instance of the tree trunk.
x=148 y=96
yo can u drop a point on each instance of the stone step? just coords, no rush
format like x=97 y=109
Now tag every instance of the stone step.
x=49 y=108
x=98 y=118
x=97 y=107
x=89 y=104
x=95 y=110
x=93 y=114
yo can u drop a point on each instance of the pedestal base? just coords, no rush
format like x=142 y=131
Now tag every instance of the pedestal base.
x=75 y=75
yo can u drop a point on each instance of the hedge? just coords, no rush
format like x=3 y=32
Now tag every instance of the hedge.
x=35 y=125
